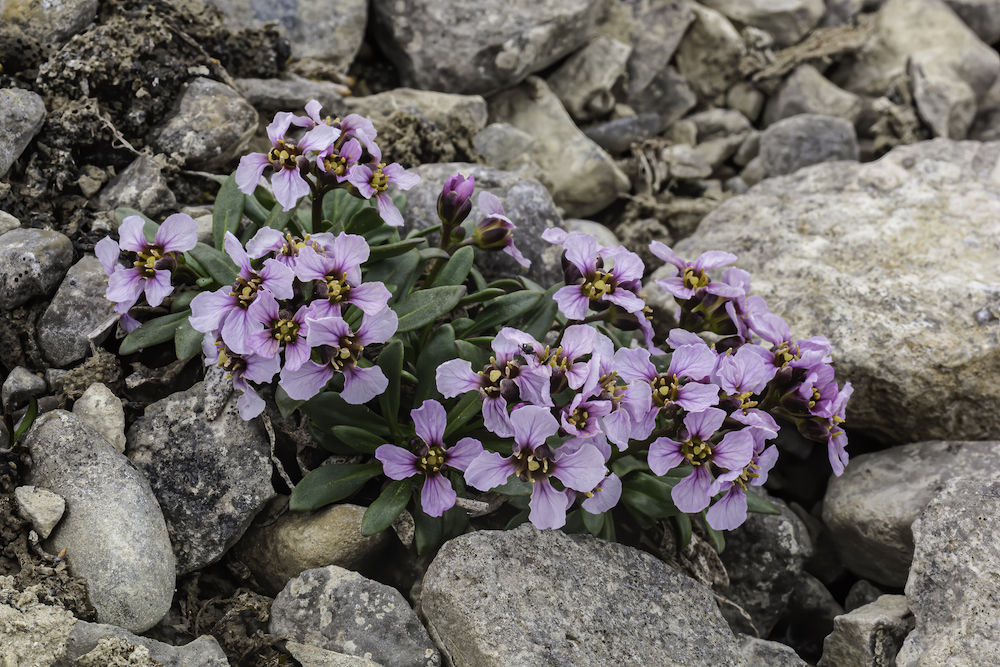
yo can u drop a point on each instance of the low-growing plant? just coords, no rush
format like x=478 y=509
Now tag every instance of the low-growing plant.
x=400 y=351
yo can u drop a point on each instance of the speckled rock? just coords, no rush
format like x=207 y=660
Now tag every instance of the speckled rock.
x=32 y=262
x=210 y=125
x=584 y=82
x=763 y=653
x=807 y=91
x=202 y=652
x=869 y=635
x=439 y=108
x=49 y=22
x=502 y=143
x=339 y=610
x=22 y=114
x=806 y=139
x=709 y=55
x=41 y=507
x=312 y=656
x=667 y=95
x=290 y=93
x=103 y=411
x=19 y=386
x=211 y=473
x=31 y=634
x=870 y=508
x=529 y=598
x=788 y=22
x=76 y=310
x=140 y=186
x=108 y=504
x=8 y=222
x=455 y=47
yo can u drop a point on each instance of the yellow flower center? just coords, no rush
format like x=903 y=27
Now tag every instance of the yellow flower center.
x=665 y=389
x=146 y=260
x=285 y=331
x=531 y=467
x=379 y=181
x=337 y=288
x=284 y=155
x=696 y=451
x=693 y=279
x=246 y=290
x=598 y=286
x=432 y=460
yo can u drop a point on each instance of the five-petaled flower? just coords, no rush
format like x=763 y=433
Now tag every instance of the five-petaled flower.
x=373 y=179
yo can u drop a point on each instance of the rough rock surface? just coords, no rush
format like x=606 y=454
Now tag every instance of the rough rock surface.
x=871 y=507
x=76 y=310
x=202 y=652
x=109 y=505
x=311 y=656
x=585 y=81
x=457 y=47
x=710 y=54
x=31 y=634
x=657 y=29
x=668 y=96
x=19 y=387
x=869 y=635
x=528 y=597
x=103 y=411
x=983 y=16
x=290 y=93
x=32 y=262
x=41 y=507
x=951 y=587
x=787 y=21
x=806 y=139
x=22 y=114
x=868 y=256
x=502 y=143
x=763 y=653
x=439 y=108
x=807 y=91
x=140 y=186
x=341 y=611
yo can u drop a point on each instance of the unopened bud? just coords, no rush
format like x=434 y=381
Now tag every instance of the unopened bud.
x=455 y=200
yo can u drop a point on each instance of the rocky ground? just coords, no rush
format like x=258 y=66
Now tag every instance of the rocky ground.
x=847 y=152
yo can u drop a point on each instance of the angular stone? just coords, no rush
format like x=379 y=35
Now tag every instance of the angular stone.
x=41 y=507
x=8 y=222
x=719 y=123
x=946 y=103
x=746 y=98
x=31 y=634
x=76 y=310
x=211 y=474
x=804 y=140
x=291 y=93
x=32 y=262
x=808 y=618
x=709 y=55
x=617 y=136
x=983 y=16
x=867 y=255
x=787 y=22
x=501 y=143
x=439 y=108
x=871 y=507
x=202 y=652
x=807 y=91
x=341 y=611
x=762 y=653
x=862 y=592
x=18 y=388
x=109 y=504
x=668 y=96
x=686 y=163
x=454 y=47
x=22 y=114
x=311 y=656
x=49 y=22
x=604 y=236
x=869 y=635
x=103 y=411
x=585 y=179
x=657 y=29
x=529 y=598
x=210 y=125
x=140 y=186
x=584 y=82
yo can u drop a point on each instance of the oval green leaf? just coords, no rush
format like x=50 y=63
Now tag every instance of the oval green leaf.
x=187 y=340
x=153 y=332
x=387 y=507
x=424 y=306
x=218 y=264
x=504 y=310
x=331 y=483
x=228 y=210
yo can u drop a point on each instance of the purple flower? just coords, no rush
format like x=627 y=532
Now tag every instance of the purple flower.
x=589 y=282
x=107 y=252
x=829 y=429
x=582 y=417
x=742 y=374
x=429 y=421
x=608 y=491
x=455 y=201
x=336 y=162
x=785 y=350
x=336 y=277
x=577 y=341
x=734 y=452
x=495 y=231
x=241 y=368
x=373 y=182
x=287 y=159
x=690 y=279
x=282 y=329
x=534 y=461
x=730 y=511
x=339 y=350
x=285 y=247
x=151 y=271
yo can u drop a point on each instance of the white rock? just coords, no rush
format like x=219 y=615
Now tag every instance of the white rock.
x=104 y=412
x=41 y=507
x=869 y=635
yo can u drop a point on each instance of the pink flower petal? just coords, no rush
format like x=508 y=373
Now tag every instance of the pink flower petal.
x=178 y=233
x=437 y=496
x=429 y=421
x=464 y=453
x=489 y=470
x=548 y=506
x=363 y=384
x=397 y=463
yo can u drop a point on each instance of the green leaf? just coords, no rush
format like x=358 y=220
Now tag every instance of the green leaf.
x=440 y=348
x=183 y=300
x=474 y=354
x=427 y=254
x=467 y=408
x=481 y=296
x=390 y=360
x=627 y=464
x=218 y=264
x=387 y=507
x=27 y=420
x=331 y=483
x=514 y=487
x=517 y=520
x=148 y=226
x=504 y=310
x=278 y=217
x=381 y=252
x=684 y=529
x=328 y=409
x=649 y=496
x=456 y=269
x=187 y=340
x=401 y=271
x=339 y=206
x=716 y=537
x=228 y=210
x=760 y=504
x=428 y=531
x=264 y=196
x=359 y=439
x=424 y=306
x=204 y=282
x=254 y=210
x=364 y=221
x=593 y=522
x=531 y=284
x=541 y=320
x=286 y=404
x=153 y=332
x=193 y=264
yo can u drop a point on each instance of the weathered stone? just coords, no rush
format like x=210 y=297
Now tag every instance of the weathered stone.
x=762 y=653
x=103 y=411
x=754 y=172
x=140 y=186
x=748 y=150
x=330 y=32
x=18 y=388
x=718 y=123
x=986 y=126
x=31 y=634
x=685 y=162
x=862 y=592
x=584 y=82
x=946 y=103
x=454 y=47
x=617 y=136
x=528 y=597
x=211 y=473
x=32 y=262
x=683 y=132
x=439 y=108
x=807 y=91
x=788 y=22
x=604 y=236
x=76 y=310
x=501 y=143
x=736 y=185
x=41 y=507
x=804 y=140
x=311 y=656
x=210 y=125
x=715 y=152
x=8 y=222
x=668 y=95
x=867 y=255
x=22 y=114
x=869 y=635
x=109 y=504
x=48 y=22
x=339 y=610
x=870 y=508
x=657 y=29
x=982 y=16
x=808 y=618
x=202 y=652
x=291 y=93
x=585 y=179
x=746 y=98
x=710 y=54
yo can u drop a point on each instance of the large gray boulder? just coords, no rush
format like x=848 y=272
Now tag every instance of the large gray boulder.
x=895 y=262
x=869 y=635
x=530 y=598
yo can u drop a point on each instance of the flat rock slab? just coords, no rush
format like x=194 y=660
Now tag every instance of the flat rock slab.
x=869 y=635
x=202 y=652
x=78 y=308
x=895 y=262
x=530 y=598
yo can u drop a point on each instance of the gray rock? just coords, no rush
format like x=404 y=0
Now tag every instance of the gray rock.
x=788 y=22
x=501 y=143
x=636 y=235
x=8 y=222
x=604 y=236
x=49 y=22
x=686 y=162
x=41 y=507
x=764 y=558
x=202 y=652
x=808 y=618
x=331 y=32
x=454 y=47
x=439 y=108
x=763 y=653
x=140 y=186
x=76 y=310
x=657 y=29
x=946 y=103
x=748 y=150
x=527 y=597
x=584 y=82
x=103 y=411
x=32 y=262
x=869 y=635
x=19 y=386
x=862 y=592
x=948 y=589
x=584 y=177
x=804 y=140
x=736 y=185
x=983 y=16
x=617 y=136
x=870 y=508
x=715 y=152
x=754 y=172
x=282 y=549
x=746 y=98
x=866 y=255
x=709 y=55
x=668 y=95
x=211 y=474
x=719 y=123
x=841 y=12
x=290 y=93
x=807 y=91
x=22 y=114
x=311 y=656
x=31 y=634
x=341 y=611
x=210 y=125
x=683 y=132
x=526 y=202
x=986 y=126
x=108 y=504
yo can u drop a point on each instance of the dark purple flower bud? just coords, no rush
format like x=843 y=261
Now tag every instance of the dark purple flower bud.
x=455 y=200
x=491 y=233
